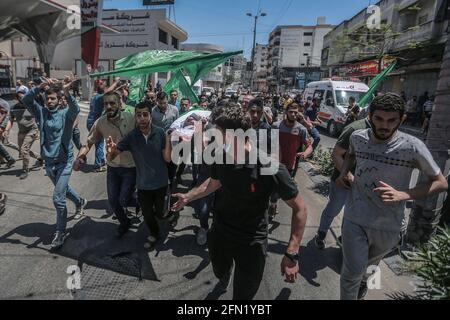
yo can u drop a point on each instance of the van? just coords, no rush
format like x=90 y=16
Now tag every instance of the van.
x=208 y=91
x=334 y=95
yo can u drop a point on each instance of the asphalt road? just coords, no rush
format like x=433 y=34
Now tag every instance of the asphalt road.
x=122 y=269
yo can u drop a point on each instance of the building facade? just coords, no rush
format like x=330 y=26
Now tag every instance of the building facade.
x=138 y=30
x=260 y=67
x=292 y=48
x=214 y=78
x=412 y=31
x=234 y=70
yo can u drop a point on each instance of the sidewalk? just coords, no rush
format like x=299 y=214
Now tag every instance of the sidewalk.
x=393 y=278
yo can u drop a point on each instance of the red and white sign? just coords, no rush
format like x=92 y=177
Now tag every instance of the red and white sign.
x=91 y=19
x=363 y=68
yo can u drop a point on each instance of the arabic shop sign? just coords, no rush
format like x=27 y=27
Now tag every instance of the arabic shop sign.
x=90 y=13
x=128 y=22
x=124 y=44
x=369 y=67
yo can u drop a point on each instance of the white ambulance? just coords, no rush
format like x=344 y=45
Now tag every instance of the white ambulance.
x=334 y=94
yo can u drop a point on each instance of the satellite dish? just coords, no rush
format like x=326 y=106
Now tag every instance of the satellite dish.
x=100 y=68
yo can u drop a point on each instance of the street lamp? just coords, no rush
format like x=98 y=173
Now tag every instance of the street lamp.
x=256 y=16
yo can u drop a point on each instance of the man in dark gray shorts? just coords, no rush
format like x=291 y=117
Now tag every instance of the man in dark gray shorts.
x=375 y=209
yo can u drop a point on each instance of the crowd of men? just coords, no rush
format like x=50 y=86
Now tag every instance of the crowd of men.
x=141 y=173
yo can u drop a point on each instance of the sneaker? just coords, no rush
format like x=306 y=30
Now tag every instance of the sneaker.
x=273 y=211
x=100 y=169
x=79 y=212
x=10 y=163
x=320 y=242
x=362 y=290
x=24 y=175
x=150 y=242
x=173 y=219
x=202 y=236
x=58 y=241
x=39 y=163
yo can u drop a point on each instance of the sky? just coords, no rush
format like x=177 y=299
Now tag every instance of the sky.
x=224 y=22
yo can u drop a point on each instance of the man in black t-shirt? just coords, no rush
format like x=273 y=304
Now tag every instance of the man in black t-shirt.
x=240 y=227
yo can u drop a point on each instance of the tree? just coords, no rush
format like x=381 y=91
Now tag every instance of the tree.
x=365 y=44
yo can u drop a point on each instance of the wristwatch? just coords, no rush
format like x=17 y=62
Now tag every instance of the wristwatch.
x=292 y=257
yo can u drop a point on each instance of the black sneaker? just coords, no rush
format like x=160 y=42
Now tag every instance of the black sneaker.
x=58 y=241
x=39 y=163
x=173 y=219
x=362 y=290
x=272 y=211
x=10 y=163
x=320 y=242
x=24 y=175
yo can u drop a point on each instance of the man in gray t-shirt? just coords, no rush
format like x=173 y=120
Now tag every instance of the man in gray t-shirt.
x=374 y=211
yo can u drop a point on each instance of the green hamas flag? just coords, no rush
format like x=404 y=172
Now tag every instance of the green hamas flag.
x=374 y=84
x=140 y=65
x=179 y=82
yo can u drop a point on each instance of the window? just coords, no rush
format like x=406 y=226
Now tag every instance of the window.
x=162 y=36
x=307 y=34
x=175 y=42
x=329 y=99
x=306 y=54
x=318 y=94
x=307 y=44
x=342 y=96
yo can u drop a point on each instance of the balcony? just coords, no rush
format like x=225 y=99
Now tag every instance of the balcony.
x=406 y=3
x=275 y=41
x=419 y=34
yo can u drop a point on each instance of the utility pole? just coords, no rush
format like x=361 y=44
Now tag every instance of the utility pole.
x=256 y=16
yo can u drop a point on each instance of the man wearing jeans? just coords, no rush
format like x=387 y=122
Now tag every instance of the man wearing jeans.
x=337 y=195
x=95 y=112
x=55 y=130
x=151 y=151
x=121 y=174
